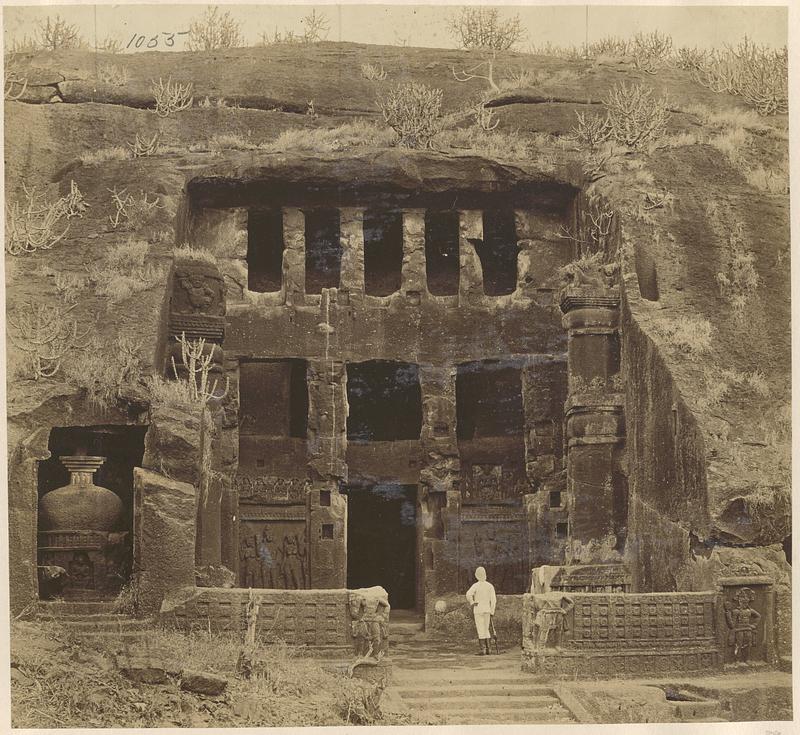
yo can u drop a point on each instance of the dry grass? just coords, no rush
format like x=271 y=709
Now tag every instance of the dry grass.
x=739 y=283
x=192 y=253
x=327 y=140
x=77 y=685
x=115 y=153
x=497 y=145
x=691 y=335
x=124 y=271
x=104 y=374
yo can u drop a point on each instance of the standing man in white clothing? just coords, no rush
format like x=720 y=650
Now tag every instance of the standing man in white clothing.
x=483 y=600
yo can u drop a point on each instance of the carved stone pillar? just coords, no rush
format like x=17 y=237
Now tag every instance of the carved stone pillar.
x=294 y=255
x=470 y=285
x=351 y=224
x=413 y=279
x=439 y=475
x=326 y=526
x=594 y=423
x=327 y=420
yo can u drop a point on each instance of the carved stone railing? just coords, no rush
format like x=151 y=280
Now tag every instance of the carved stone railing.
x=622 y=634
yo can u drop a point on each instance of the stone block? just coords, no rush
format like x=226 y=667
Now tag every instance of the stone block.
x=164 y=537
x=141 y=669
x=172 y=443
x=201 y=682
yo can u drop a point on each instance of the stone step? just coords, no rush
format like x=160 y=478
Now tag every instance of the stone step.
x=479 y=704
x=472 y=679
x=521 y=691
x=88 y=626
x=75 y=607
x=508 y=717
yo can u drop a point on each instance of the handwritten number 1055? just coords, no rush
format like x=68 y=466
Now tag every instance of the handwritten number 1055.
x=140 y=41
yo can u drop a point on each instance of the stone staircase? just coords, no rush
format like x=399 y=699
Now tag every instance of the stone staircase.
x=95 y=618
x=458 y=697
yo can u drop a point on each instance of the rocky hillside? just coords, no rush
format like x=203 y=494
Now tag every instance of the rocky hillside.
x=702 y=215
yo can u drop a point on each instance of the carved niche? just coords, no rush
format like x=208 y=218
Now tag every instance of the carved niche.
x=273 y=554
x=197 y=308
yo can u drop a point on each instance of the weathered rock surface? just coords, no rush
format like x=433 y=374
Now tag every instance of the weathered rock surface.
x=165 y=543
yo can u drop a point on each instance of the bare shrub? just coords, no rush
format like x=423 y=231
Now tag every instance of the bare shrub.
x=608 y=46
x=74 y=204
x=315 y=27
x=56 y=33
x=15 y=83
x=111 y=45
x=757 y=73
x=774 y=181
x=740 y=281
x=590 y=132
x=482 y=27
x=171 y=97
x=690 y=59
x=142 y=147
x=651 y=51
x=33 y=225
x=373 y=72
x=130 y=210
x=45 y=334
x=413 y=111
x=635 y=116
x=113 y=74
x=214 y=30
x=169 y=392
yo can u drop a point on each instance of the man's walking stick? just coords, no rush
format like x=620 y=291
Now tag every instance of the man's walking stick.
x=493 y=633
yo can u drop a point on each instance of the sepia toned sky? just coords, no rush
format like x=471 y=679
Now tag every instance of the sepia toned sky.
x=418 y=25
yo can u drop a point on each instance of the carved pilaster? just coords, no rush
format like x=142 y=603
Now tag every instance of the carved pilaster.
x=327 y=420
x=413 y=277
x=470 y=227
x=326 y=524
x=352 y=240
x=594 y=423
x=294 y=255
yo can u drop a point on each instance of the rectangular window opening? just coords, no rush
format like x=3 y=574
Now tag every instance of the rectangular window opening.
x=555 y=498
x=441 y=252
x=264 y=250
x=273 y=398
x=488 y=399
x=383 y=251
x=385 y=401
x=498 y=252
x=323 y=249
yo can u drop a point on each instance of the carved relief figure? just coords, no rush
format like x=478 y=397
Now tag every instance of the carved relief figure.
x=198 y=291
x=293 y=565
x=81 y=571
x=370 y=625
x=743 y=622
x=551 y=619
x=268 y=559
x=251 y=566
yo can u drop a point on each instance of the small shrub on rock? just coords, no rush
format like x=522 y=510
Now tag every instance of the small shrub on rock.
x=214 y=30
x=476 y=27
x=413 y=111
x=635 y=116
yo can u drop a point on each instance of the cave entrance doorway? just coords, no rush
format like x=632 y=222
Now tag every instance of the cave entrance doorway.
x=382 y=540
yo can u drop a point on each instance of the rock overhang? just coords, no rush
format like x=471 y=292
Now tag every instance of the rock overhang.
x=404 y=177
